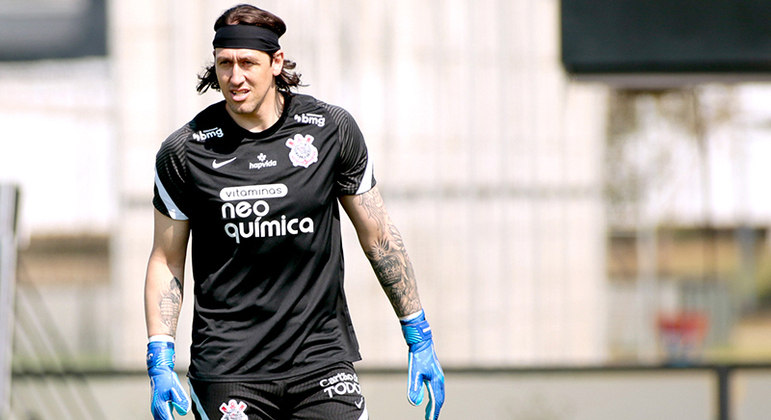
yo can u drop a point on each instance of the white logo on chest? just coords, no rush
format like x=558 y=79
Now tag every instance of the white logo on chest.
x=263 y=162
x=303 y=152
x=309 y=118
x=202 y=136
x=217 y=165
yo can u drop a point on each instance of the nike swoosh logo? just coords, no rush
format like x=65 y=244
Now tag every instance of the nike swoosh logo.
x=358 y=404
x=217 y=165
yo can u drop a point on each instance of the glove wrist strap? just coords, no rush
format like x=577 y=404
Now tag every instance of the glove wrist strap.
x=160 y=354
x=416 y=330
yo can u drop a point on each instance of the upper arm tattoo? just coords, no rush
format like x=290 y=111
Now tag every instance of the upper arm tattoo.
x=171 y=304
x=373 y=204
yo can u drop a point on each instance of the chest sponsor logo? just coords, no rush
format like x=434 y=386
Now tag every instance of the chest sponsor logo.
x=262 y=162
x=204 y=135
x=309 y=118
x=253 y=192
x=233 y=410
x=247 y=214
x=302 y=151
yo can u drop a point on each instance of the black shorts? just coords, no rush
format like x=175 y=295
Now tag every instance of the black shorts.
x=331 y=393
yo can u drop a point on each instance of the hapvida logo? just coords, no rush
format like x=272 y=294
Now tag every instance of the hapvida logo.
x=264 y=162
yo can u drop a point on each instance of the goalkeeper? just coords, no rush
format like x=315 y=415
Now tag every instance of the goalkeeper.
x=255 y=180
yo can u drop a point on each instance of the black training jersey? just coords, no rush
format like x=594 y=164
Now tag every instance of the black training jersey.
x=266 y=248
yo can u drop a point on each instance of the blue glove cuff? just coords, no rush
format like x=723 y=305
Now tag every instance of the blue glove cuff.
x=424 y=370
x=167 y=392
x=160 y=354
x=417 y=332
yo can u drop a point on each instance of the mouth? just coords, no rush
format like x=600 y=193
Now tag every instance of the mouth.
x=239 y=95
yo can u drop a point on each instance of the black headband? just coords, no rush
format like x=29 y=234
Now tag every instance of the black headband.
x=246 y=36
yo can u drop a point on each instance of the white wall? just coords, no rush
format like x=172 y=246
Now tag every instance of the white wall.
x=58 y=143
x=488 y=158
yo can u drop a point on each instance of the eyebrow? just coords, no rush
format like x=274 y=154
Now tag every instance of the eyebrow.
x=237 y=57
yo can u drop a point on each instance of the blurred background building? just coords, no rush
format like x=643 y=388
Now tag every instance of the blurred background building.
x=556 y=215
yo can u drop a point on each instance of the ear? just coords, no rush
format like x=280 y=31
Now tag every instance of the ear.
x=278 y=62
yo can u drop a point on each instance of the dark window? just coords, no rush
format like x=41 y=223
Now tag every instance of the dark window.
x=46 y=29
x=661 y=36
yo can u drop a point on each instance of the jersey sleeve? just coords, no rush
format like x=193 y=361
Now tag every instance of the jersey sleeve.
x=170 y=176
x=355 y=173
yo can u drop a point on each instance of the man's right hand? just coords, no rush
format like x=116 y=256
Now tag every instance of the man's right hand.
x=167 y=392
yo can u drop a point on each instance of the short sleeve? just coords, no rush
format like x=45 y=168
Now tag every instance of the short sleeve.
x=170 y=176
x=355 y=174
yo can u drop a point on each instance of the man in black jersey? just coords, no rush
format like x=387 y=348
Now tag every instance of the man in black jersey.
x=254 y=181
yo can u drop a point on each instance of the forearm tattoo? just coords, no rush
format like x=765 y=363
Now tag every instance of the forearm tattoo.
x=389 y=259
x=171 y=304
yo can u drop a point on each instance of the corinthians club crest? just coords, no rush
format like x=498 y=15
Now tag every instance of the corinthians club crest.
x=303 y=152
x=233 y=410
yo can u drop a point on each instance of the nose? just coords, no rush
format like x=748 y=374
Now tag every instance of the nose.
x=236 y=75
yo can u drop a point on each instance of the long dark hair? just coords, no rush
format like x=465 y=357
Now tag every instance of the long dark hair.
x=246 y=14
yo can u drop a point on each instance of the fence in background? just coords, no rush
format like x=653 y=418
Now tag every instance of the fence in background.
x=40 y=351
x=9 y=195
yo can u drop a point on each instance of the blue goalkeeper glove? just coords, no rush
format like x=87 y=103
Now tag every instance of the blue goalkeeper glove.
x=424 y=368
x=166 y=389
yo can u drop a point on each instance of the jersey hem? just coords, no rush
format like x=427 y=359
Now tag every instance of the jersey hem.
x=276 y=376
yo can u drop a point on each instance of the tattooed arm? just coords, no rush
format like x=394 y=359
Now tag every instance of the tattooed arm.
x=384 y=247
x=165 y=275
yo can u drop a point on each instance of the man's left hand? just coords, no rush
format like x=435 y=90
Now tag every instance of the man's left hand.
x=424 y=368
